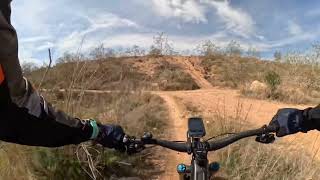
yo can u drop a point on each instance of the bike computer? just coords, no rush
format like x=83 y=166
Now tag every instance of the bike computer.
x=196 y=128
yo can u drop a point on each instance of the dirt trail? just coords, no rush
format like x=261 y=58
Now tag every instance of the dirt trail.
x=177 y=132
x=210 y=100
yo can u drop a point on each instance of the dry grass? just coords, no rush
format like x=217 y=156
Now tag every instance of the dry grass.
x=299 y=82
x=116 y=74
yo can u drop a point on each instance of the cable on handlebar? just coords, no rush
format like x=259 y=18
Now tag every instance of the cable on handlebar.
x=214 y=137
x=263 y=132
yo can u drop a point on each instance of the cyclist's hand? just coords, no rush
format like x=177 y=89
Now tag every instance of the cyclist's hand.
x=287 y=121
x=111 y=136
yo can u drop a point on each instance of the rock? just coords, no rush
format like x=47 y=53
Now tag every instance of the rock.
x=257 y=86
x=315 y=93
x=154 y=85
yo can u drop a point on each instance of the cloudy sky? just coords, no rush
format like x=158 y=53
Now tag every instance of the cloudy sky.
x=64 y=25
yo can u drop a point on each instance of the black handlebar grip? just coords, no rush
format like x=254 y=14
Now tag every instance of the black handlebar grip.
x=180 y=147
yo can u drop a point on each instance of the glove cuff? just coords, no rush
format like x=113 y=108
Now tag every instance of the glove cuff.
x=95 y=129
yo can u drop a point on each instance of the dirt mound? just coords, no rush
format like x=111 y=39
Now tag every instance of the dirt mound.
x=191 y=65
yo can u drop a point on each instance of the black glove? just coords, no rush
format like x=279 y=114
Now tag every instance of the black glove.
x=288 y=121
x=111 y=136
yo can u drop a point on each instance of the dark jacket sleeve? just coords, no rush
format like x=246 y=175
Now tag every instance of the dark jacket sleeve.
x=25 y=117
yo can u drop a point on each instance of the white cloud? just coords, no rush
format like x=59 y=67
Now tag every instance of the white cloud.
x=34 y=39
x=187 y=10
x=294 y=28
x=313 y=13
x=45 y=46
x=108 y=20
x=85 y=39
x=236 y=20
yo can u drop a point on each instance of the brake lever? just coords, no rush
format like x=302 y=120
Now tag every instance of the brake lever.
x=132 y=145
x=266 y=137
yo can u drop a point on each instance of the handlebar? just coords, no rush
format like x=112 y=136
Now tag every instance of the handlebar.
x=219 y=144
x=262 y=134
x=180 y=147
x=148 y=140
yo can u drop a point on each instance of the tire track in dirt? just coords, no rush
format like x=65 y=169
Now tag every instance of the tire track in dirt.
x=177 y=131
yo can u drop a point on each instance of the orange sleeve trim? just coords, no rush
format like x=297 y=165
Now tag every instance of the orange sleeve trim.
x=1 y=75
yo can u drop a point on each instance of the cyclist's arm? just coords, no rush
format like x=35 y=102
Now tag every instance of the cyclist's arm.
x=25 y=117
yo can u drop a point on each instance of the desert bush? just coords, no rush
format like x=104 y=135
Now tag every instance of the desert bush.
x=277 y=55
x=294 y=95
x=233 y=49
x=208 y=48
x=161 y=46
x=154 y=52
x=100 y=53
x=273 y=80
x=253 y=53
x=28 y=67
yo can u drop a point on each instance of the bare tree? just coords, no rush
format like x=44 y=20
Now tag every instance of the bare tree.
x=101 y=52
x=28 y=67
x=208 y=48
x=277 y=56
x=253 y=52
x=233 y=49
x=161 y=46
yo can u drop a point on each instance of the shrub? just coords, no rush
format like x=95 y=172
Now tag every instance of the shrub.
x=273 y=80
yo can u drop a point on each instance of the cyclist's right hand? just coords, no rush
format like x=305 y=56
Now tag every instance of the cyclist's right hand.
x=288 y=121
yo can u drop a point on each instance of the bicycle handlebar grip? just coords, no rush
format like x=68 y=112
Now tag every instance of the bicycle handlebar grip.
x=181 y=147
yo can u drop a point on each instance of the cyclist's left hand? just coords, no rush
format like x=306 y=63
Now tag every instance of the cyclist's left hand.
x=111 y=136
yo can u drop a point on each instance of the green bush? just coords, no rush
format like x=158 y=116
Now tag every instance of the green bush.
x=273 y=80
x=56 y=164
